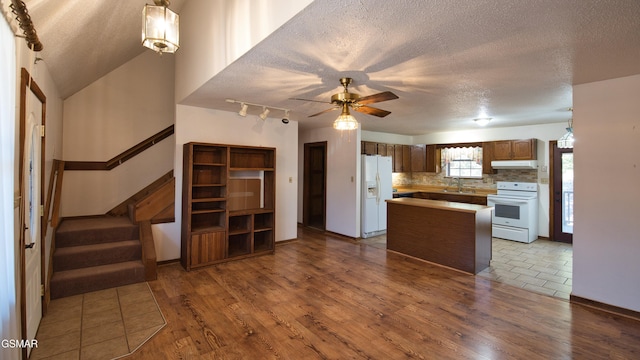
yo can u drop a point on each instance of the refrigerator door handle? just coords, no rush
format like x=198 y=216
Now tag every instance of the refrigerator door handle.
x=378 y=188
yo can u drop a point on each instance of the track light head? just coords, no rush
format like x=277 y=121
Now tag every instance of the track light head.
x=243 y=109
x=285 y=119
x=264 y=113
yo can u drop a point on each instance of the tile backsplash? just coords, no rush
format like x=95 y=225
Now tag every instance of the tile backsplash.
x=487 y=181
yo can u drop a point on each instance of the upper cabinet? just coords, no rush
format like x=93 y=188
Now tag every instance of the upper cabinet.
x=515 y=149
x=426 y=158
x=418 y=158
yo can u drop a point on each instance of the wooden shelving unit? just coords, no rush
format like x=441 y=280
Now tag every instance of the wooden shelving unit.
x=228 y=203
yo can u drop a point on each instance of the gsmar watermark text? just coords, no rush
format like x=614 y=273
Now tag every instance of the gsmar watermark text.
x=19 y=343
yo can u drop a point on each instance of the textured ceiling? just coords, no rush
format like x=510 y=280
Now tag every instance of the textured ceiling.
x=446 y=60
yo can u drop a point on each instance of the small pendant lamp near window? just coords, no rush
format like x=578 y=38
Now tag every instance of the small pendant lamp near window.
x=345 y=121
x=160 y=27
x=566 y=141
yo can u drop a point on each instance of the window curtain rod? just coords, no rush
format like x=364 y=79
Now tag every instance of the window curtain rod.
x=19 y=8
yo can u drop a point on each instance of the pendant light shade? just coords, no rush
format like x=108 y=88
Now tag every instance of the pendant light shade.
x=345 y=121
x=566 y=141
x=160 y=28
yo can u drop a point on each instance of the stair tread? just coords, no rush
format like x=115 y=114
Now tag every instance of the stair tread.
x=95 y=247
x=94 y=223
x=100 y=269
x=94 y=230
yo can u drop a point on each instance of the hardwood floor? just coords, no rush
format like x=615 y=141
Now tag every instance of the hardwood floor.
x=325 y=298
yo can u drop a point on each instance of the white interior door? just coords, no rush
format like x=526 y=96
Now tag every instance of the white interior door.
x=31 y=208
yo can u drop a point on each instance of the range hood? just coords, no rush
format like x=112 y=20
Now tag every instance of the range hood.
x=514 y=164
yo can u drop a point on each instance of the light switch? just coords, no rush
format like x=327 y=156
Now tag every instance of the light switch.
x=290 y=179
x=544 y=180
x=352 y=179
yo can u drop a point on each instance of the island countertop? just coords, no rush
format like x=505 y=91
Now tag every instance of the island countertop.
x=456 y=235
x=445 y=205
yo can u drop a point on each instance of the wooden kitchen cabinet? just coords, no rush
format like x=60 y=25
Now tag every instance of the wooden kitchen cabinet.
x=381 y=149
x=369 y=148
x=228 y=203
x=487 y=157
x=418 y=158
x=406 y=158
x=432 y=159
x=515 y=149
x=397 y=158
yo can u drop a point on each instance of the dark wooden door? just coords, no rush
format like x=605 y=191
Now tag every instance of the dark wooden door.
x=562 y=194
x=315 y=185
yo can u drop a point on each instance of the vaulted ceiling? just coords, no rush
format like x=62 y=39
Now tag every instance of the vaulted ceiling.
x=448 y=61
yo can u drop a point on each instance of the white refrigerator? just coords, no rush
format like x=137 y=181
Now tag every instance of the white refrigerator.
x=376 y=188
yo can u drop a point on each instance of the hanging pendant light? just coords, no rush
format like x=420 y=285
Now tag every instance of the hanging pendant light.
x=566 y=141
x=345 y=121
x=160 y=27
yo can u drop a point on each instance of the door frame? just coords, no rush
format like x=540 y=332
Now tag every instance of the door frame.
x=553 y=144
x=27 y=81
x=306 y=185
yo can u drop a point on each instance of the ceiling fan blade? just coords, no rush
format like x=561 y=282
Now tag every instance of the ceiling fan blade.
x=383 y=96
x=324 y=102
x=371 y=111
x=325 y=111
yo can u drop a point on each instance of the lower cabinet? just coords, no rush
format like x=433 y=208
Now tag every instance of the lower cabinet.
x=207 y=248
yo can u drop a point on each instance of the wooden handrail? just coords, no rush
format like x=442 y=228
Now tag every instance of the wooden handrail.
x=122 y=157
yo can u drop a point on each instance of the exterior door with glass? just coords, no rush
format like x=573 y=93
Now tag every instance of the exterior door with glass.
x=562 y=195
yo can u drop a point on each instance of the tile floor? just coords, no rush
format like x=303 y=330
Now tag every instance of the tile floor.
x=104 y=324
x=542 y=266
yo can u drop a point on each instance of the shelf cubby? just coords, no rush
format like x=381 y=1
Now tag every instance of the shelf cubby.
x=239 y=244
x=263 y=221
x=263 y=241
x=208 y=191
x=208 y=221
x=239 y=224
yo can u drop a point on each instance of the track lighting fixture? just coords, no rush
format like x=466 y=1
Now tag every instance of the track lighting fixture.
x=266 y=110
x=264 y=113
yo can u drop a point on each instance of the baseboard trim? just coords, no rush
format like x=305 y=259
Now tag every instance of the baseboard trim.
x=635 y=315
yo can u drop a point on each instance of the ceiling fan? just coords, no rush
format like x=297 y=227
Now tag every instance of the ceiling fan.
x=345 y=100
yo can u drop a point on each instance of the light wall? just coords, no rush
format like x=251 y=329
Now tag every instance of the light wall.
x=343 y=178
x=195 y=124
x=114 y=113
x=606 y=243
x=215 y=33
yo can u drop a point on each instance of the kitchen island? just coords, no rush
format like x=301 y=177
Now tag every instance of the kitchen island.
x=456 y=235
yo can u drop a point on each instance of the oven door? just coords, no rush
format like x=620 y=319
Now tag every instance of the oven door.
x=509 y=211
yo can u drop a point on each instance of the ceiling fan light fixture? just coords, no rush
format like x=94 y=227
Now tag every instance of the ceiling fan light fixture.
x=160 y=27
x=482 y=121
x=345 y=121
